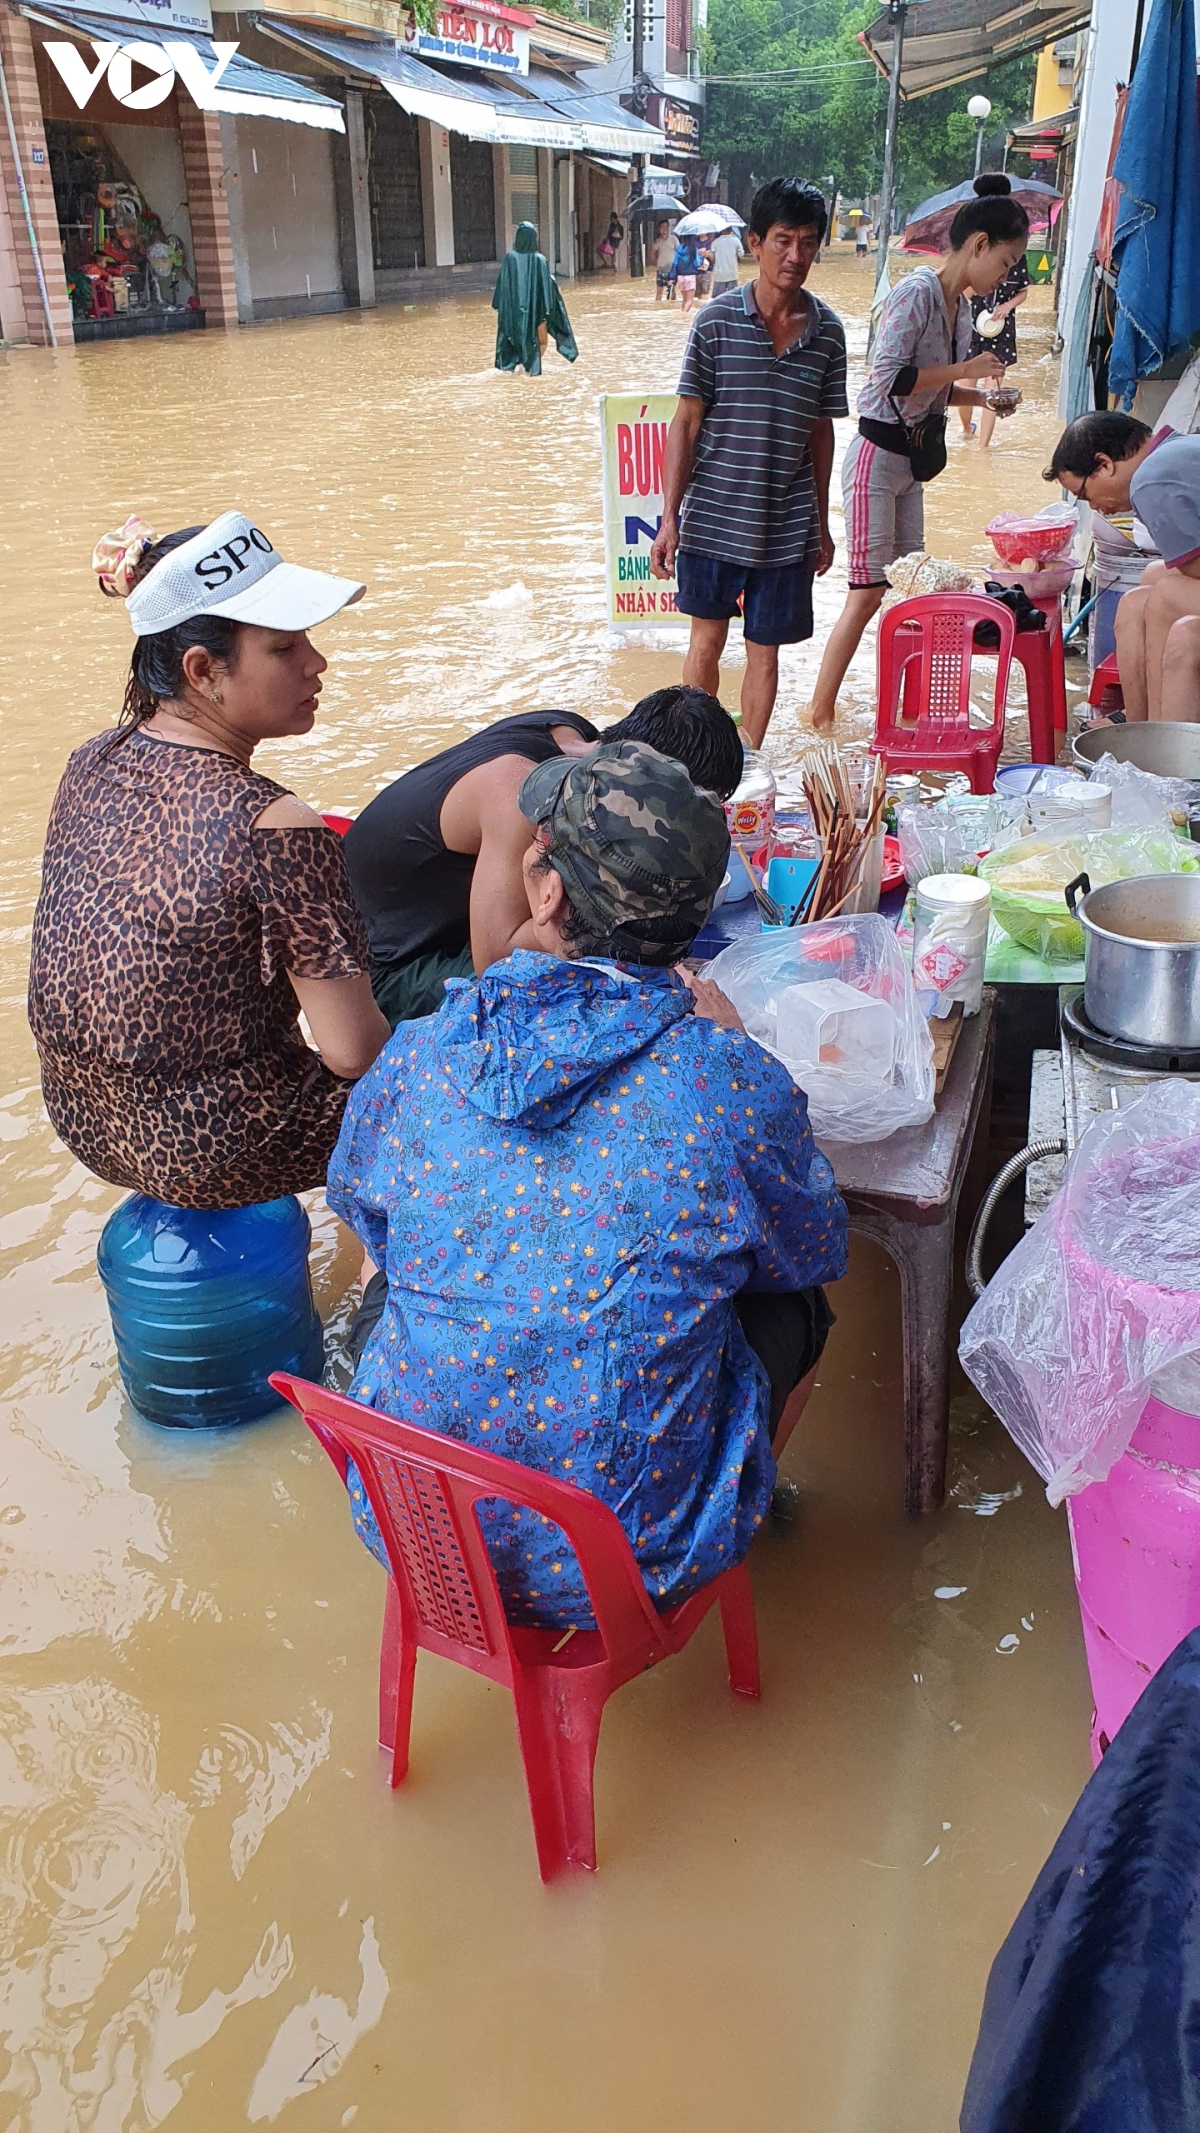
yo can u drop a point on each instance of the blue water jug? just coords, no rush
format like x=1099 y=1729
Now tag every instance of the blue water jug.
x=206 y=1305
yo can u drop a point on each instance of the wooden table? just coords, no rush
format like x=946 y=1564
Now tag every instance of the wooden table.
x=904 y=1193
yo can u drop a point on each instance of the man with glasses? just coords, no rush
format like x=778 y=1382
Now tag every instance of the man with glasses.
x=1115 y=464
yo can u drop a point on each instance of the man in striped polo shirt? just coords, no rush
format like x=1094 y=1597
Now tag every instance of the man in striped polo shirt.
x=750 y=453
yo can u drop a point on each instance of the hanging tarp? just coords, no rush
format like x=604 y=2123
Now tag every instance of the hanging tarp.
x=244 y=89
x=1156 y=235
x=948 y=41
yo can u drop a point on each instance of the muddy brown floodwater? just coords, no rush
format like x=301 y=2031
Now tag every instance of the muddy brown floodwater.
x=213 y=1911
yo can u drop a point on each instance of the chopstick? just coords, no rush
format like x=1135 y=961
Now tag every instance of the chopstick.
x=846 y=840
x=769 y=909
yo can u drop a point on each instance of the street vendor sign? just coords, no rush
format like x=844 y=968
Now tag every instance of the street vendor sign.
x=634 y=430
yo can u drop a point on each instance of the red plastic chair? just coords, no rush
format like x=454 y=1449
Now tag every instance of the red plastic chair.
x=442 y=1597
x=923 y=719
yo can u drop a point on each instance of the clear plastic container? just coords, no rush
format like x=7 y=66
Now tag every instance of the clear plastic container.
x=831 y=1025
x=205 y=1305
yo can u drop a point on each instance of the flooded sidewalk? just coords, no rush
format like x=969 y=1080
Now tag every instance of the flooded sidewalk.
x=213 y=1911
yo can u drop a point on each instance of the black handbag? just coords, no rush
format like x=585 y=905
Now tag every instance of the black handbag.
x=927 y=445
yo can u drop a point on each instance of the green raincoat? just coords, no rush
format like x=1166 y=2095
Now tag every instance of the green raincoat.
x=525 y=297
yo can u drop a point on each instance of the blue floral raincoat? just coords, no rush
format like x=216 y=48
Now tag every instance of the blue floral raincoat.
x=567 y=1177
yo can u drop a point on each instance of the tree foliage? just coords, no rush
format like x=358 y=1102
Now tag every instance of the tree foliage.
x=828 y=121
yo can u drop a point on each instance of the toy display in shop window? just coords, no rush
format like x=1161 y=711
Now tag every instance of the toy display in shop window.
x=119 y=257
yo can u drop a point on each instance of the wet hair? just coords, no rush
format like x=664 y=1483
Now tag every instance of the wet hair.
x=694 y=728
x=582 y=941
x=1092 y=437
x=992 y=185
x=790 y=201
x=996 y=216
x=156 y=668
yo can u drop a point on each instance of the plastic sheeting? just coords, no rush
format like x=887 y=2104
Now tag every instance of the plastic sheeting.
x=861 y=1097
x=1142 y=800
x=1029 y=879
x=1100 y=1295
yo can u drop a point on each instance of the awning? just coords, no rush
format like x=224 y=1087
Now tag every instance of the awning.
x=948 y=41
x=607 y=128
x=618 y=166
x=245 y=90
x=1052 y=131
x=466 y=103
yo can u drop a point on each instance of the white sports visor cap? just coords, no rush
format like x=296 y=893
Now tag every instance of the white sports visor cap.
x=232 y=569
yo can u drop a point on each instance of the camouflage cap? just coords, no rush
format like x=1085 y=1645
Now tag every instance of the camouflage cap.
x=640 y=850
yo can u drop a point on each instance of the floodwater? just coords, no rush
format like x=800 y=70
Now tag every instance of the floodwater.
x=213 y=1912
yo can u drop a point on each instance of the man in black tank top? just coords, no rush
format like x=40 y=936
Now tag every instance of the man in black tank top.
x=435 y=859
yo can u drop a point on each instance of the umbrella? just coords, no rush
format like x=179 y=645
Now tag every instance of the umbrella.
x=703 y=222
x=928 y=226
x=1156 y=242
x=656 y=204
x=729 y=215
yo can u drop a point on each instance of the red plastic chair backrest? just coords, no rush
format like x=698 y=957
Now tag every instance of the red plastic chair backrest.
x=938 y=632
x=423 y=1489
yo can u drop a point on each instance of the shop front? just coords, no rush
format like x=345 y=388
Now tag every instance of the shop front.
x=483 y=132
x=135 y=233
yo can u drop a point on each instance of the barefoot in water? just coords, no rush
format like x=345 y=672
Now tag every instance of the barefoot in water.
x=821 y=722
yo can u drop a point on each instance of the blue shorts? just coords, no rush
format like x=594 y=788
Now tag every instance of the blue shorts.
x=776 y=604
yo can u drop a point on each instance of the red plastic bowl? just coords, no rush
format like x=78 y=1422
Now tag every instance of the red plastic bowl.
x=1015 y=538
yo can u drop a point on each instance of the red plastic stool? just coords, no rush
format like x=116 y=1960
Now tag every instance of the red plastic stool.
x=1040 y=654
x=1105 y=692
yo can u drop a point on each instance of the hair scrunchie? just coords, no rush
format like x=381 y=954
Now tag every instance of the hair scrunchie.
x=116 y=556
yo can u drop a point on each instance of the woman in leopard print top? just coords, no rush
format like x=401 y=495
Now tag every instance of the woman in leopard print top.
x=190 y=908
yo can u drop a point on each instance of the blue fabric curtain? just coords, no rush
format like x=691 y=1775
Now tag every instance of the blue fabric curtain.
x=1156 y=247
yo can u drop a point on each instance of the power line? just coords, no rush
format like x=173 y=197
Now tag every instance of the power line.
x=764 y=77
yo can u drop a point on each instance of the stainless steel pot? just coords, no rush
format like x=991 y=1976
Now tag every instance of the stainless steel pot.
x=1168 y=748
x=1142 y=957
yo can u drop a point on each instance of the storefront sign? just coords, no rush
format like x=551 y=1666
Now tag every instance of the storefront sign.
x=482 y=35
x=161 y=61
x=158 y=14
x=634 y=432
x=680 y=122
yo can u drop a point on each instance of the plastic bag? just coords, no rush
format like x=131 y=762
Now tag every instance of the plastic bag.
x=920 y=573
x=859 y=1096
x=1028 y=880
x=1140 y=799
x=945 y=839
x=1100 y=1295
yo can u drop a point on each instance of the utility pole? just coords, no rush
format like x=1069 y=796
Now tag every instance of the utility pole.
x=637 y=264
x=897 y=15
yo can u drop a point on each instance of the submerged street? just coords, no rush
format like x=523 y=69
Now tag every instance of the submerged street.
x=213 y=1911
